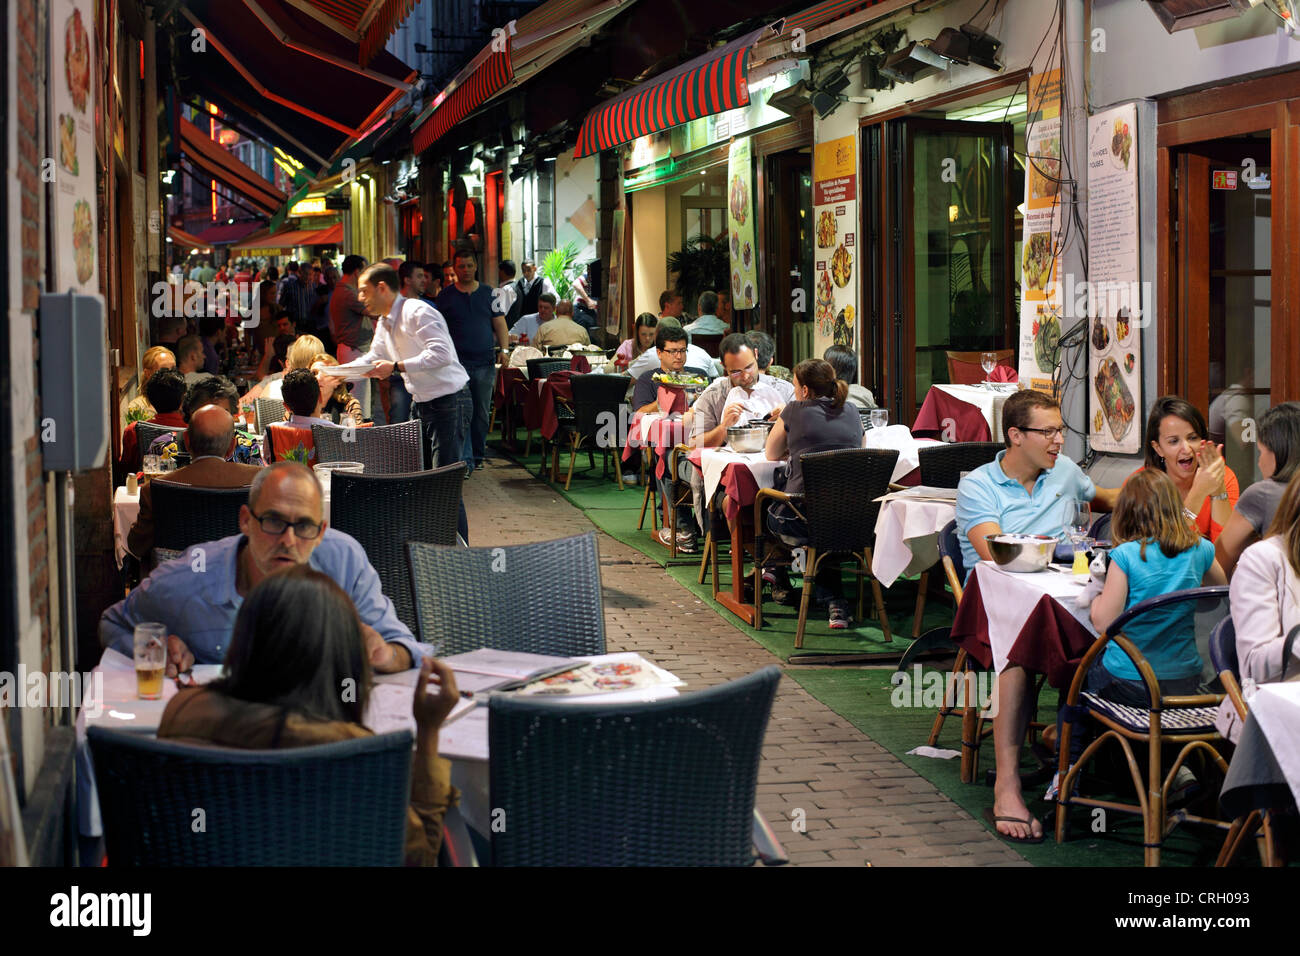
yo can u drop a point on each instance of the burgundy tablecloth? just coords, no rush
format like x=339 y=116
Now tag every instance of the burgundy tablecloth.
x=556 y=385
x=939 y=406
x=1051 y=642
x=510 y=382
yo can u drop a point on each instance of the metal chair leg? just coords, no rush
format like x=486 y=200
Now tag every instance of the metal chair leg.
x=921 y=587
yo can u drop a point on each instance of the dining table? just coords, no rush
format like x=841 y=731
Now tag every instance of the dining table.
x=960 y=413
x=1264 y=773
x=907 y=531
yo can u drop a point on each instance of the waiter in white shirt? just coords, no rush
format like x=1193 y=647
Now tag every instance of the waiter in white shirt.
x=411 y=338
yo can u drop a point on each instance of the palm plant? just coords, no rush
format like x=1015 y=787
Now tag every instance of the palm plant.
x=700 y=266
x=559 y=266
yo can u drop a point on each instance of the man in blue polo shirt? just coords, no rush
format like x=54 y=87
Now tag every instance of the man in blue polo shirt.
x=1028 y=489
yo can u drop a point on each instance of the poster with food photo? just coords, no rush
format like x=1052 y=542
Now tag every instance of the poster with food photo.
x=71 y=141
x=740 y=225
x=835 y=216
x=1116 y=309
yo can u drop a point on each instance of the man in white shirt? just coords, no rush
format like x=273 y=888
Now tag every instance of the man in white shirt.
x=505 y=297
x=531 y=287
x=411 y=338
x=708 y=323
x=529 y=324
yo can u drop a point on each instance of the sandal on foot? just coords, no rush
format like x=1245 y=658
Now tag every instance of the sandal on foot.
x=993 y=822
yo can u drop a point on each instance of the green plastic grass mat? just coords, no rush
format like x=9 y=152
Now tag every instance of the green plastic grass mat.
x=864 y=697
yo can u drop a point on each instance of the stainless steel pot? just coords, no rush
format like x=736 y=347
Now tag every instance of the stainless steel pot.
x=748 y=438
x=1021 y=552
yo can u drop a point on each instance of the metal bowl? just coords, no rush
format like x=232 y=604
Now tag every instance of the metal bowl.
x=1021 y=552
x=747 y=439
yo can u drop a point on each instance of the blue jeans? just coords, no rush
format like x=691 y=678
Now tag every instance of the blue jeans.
x=399 y=401
x=482 y=380
x=444 y=422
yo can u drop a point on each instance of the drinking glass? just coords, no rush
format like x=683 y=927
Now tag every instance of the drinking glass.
x=1079 y=520
x=150 y=660
x=879 y=417
x=152 y=464
x=988 y=362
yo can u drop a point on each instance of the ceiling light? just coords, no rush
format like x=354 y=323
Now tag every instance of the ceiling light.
x=1186 y=14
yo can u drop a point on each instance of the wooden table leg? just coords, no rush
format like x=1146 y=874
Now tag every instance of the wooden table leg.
x=734 y=600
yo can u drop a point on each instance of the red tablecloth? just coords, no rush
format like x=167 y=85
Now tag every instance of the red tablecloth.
x=556 y=385
x=1051 y=642
x=940 y=407
x=510 y=383
x=737 y=482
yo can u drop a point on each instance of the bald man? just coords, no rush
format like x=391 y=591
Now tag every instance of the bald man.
x=211 y=441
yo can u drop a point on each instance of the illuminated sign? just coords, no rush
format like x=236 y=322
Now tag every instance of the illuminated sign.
x=314 y=206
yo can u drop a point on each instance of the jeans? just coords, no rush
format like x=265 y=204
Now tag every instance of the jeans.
x=399 y=401
x=685 y=513
x=444 y=422
x=482 y=380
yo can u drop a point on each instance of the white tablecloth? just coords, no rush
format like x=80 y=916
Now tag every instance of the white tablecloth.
x=714 y=461
x=1009 y=598
x=1276 y=708
x=900 y=438
x=125 y=509
x=907 y=536
x=988 y=400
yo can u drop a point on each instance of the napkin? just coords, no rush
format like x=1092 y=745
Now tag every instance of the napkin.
x=758 y=402
x=1004 y=373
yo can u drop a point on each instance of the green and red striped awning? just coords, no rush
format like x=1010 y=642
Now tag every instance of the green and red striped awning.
x=824 y=12
x=493 y=73
x=713 y=83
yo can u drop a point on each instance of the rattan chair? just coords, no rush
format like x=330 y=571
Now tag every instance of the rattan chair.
x=598 y=413
x=668 y=783
x=542 y=367
x=1185 y=722
x=941 y=465
x=839 y=506
x=268 y=411
x=186 y=515
x=383 y=449
x=384 y=512
x=543 y=597
x=336 y=804
x=146 y=432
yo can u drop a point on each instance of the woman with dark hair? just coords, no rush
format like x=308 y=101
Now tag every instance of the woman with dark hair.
x=297 y=675
x=643 y=337
x=1278 y=436
x=817 y=420
x=1178 y=444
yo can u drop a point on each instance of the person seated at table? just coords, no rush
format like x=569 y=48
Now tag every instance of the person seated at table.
x=1265 y=601
x=718 y=407
x=303 y=352
x=697 y=361
x=707 y=321
x=217 y=390
x=211 y=441
x=304 y=398
x=1178 y=444
x=845 y=362
x=281 y=526
x=817 y=420
x=1027 y=489
x=643 y=338
x=1278 y=436
x=671 y=349
x=296 y=640
x=764 y=347
x=154 y=359
x=166 y=393
x=527 y=325
x=339 y=400
x=560 y=329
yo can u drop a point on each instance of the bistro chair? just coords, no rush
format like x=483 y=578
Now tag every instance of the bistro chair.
x=186 y=515
x=964 y=368
x=710 y=343
x=335 y=804
x=543 y=597
x=146 y=432
x=1182 y=722
x=839 y=506
x=543 y=367
x=942 y=465
x=651 y=495
x=384 y=512
x=681 y=492
x=268 y=410
x=284 y=442
x=1100 y=530
x=383 y=449
x=666 y=783
x=597 y=410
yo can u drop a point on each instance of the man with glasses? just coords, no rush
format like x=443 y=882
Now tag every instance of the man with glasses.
x=1029 y=488
x=198 y=594
x=712 y=414
x=670 y=347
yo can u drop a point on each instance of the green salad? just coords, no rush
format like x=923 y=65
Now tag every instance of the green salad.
x=679 y=378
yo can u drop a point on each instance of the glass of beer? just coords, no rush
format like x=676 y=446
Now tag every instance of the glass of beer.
x=150 y=660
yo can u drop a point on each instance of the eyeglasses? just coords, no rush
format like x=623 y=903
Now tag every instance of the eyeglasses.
x=273 y=524
x=751 y=367
x=1048 y=433
x=673 y=351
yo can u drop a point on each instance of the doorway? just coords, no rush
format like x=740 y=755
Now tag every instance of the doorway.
x=789 y=244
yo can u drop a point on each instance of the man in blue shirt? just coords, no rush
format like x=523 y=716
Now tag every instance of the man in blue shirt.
x=198 y=595
x=1028 y=489
x=479 y=331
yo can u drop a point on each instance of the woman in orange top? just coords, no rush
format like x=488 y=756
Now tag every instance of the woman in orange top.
x=1178 y=444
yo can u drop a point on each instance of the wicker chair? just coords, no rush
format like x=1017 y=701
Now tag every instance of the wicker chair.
x=384 y=512
x=336 y=804
x=186 y=515
x=942 y=465
x=268 y=411
x=668 y=783
x=597 y=402
x=383 y=449
x=542 y=367
x=146 y=432
x=840 y=488
x=1186 y=722
x=543 y=597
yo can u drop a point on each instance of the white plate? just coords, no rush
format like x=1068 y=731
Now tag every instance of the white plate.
x=351 y=370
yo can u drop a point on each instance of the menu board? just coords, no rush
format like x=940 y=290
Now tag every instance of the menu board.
x=1114 y=301
x=1046 y=202
x=740 y=225
x=835 y=213
x=72 y=130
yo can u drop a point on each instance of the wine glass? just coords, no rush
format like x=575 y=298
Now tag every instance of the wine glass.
x=988 y=362
x=1079 y=520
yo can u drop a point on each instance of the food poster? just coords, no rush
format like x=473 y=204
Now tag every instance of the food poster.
x=835 y=212
x=740 y=224
x=1115 y=303
x=72 y=146
x=1045 y=209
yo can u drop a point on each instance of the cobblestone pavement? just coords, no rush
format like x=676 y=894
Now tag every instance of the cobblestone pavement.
x=862 y=804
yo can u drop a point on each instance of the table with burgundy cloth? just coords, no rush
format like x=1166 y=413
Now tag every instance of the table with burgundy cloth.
x=961 y=413
x=1032 y=622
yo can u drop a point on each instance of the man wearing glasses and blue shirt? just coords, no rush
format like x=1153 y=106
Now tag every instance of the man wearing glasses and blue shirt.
x=198 y=594
x=1030 y=488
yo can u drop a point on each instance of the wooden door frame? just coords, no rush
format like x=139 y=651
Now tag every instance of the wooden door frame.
x=776 y=170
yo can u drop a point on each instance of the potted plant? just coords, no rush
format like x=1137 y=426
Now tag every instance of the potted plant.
x=560 y=266
x=700 y=266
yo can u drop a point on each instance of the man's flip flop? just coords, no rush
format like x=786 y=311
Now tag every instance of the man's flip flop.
x=993 y=822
